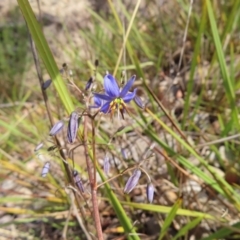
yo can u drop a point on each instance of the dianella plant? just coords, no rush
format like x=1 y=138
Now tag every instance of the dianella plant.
x=106 y=100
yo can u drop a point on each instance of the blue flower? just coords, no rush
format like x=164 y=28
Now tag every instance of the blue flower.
x=114 y=97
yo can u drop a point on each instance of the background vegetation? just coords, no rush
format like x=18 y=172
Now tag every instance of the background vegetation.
x=185 y=55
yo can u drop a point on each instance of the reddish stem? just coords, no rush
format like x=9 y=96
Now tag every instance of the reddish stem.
x=92 y=180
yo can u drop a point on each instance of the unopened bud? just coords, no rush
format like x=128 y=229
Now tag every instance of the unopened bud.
x=38 y=147
x=150 y=192
x=106 y=165
x=124 y=154
x=73 y=127
x=132 y=181
x=138 y=101
x=89 y=83
x=78 y=181
x=46 y=84
x=57 y=127
x=45 y=169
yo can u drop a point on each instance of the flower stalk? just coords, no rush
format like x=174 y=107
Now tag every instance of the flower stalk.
x=92 y=180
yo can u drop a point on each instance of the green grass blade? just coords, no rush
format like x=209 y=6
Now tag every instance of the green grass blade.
x=165 y=209
x=228 y=84
x=232 y=17
x=194 y=64
x=224 y=232
x=220 y=184
x=45 y=54
x=122 y=216
x=169 y=219
x=183 y=231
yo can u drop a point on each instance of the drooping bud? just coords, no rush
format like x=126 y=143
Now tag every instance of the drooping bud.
x=45 y=169
x=139 y=102
x=78 y=181
x=132 y=181
x=57 y=127
x=73 y=127
x=46 y=84
x=106 y=165
x=124 y=153
x=89 y=83
x=150 y=192
x=38 y=147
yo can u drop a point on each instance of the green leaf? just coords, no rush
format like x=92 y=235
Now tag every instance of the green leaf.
x=45 y=54
x=224 y=232
x=169 y=219
x=183 y=231
x=228 y=84
x=164 y=209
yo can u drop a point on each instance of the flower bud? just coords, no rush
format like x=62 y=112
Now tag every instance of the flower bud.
x=139 y=102
x=46 y=84
x=124 y=154
x=72 y=127
x=132 y=181
x=106 y=165
x=38 y=147
x=78 y=181
x=150 y=192
x=57 y=127
x=45 y=169
x=89 y=83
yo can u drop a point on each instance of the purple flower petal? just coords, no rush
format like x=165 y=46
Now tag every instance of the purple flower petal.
x=97 y=102
x=103 y=96
x=132 y=181
x=127 y=86
x=150 y=192
x=89 y=83
x=105 y=107
x=138 y=101
x=110 y=86
x=78 y=181
x=129 y=96
x=73 y=125
x=106 y=165
x=57 y=127
x=38 y=147
x=45 y=169
x=46 y=84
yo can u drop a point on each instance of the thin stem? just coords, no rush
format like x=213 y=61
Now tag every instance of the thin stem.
x=92 y=181
x=94 y=155
x=116 y=176
x=185 y=34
